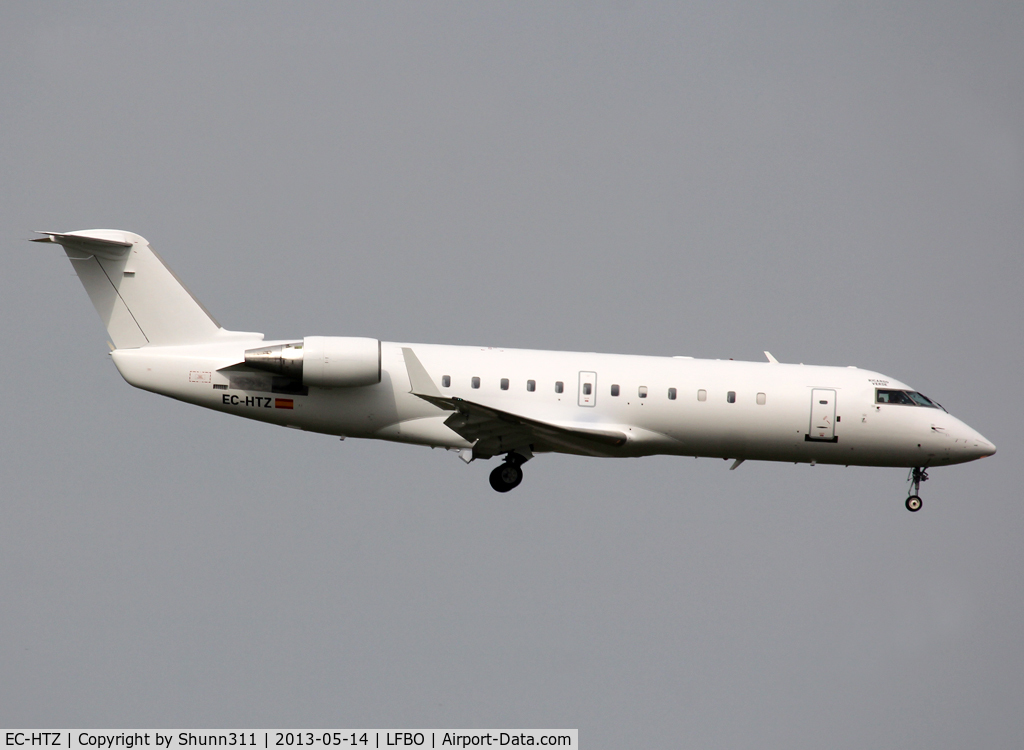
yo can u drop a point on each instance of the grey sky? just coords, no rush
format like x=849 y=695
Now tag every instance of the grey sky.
x=837 y=184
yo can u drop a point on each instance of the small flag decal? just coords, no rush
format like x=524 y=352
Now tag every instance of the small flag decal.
x=284 y=403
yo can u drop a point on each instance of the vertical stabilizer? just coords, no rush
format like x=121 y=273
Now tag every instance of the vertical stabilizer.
x=138 y=298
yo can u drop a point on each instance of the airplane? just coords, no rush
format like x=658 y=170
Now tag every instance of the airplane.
x=483 y=402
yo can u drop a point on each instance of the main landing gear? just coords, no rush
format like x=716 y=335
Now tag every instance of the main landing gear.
x=917 y=475
x=508 y=474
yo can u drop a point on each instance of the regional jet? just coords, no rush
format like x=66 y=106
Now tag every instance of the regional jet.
x=483 y=402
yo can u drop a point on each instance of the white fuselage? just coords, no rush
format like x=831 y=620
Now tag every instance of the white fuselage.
x=779 y=412
x=486 y=402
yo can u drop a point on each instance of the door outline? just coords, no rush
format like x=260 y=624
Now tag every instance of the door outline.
x=587 y=378
x=822 y=426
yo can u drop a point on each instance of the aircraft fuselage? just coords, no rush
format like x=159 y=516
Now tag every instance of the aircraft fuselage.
x=484 y=401
x=721 y=408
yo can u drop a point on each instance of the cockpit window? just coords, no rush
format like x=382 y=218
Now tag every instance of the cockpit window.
x=908 y=398
x=921 y=400
x=892 y=397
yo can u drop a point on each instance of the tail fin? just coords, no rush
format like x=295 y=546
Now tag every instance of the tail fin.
x=138 y=297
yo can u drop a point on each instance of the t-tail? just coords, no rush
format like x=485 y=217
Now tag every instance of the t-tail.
x=139 y=299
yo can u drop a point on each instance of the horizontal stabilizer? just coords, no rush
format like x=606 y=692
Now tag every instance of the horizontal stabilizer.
x=106 y=243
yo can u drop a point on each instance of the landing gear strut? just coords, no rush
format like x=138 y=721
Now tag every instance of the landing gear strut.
x=508 y=474
x=917 y=475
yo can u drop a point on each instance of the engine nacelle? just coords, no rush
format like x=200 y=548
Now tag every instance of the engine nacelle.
x=322 y=361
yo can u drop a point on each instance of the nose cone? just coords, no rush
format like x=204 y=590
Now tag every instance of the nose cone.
x=978 y=446
x=987 y=448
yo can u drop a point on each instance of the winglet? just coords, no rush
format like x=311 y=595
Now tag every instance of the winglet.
x=421 y=383
x=771 y=358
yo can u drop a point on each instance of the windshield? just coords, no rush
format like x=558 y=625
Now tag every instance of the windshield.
x=907 y=398
x=920 y=399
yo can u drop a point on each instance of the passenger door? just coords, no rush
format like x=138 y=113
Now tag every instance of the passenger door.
x=588 y=388
x=823 y=415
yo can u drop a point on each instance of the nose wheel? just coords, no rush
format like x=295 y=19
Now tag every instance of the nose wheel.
x=917 y=475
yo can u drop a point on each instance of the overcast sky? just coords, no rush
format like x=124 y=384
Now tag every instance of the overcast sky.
x=836 y=183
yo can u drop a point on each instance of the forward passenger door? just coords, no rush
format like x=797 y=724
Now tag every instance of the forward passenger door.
x=823 y=415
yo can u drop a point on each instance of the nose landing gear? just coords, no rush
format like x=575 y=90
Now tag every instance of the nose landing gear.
x=917 y=475
x=508 y=474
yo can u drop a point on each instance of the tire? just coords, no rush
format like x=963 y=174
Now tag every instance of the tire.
x=913 y=503
x=506 y=477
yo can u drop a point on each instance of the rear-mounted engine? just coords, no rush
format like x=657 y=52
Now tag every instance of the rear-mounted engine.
x=322 y=361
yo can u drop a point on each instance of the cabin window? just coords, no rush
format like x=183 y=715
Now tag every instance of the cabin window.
x=702 y=395
x=761 y=398
x=531 y=385
x=731 y=397
x=615 y=389
x=559 y=386
x=504 y=384
x=475 y=382
x=671 y=394
x=642 y=391
x=446 y=381
x=587 y=388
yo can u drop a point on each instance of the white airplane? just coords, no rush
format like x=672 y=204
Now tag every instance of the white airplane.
x=487 y=401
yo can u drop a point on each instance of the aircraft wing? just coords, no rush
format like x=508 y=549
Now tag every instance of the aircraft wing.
x=494 y=431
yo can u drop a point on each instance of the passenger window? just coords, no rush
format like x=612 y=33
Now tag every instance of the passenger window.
x=731 y=397
x=531 y=385
x=446 y=381
x=642 y=391
x=586 y=389
x=671 y=394
x=559 y=387
x=761 y=398
x=702 y=395
x=615 y=390
x=504 y=384
x=475 y=382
